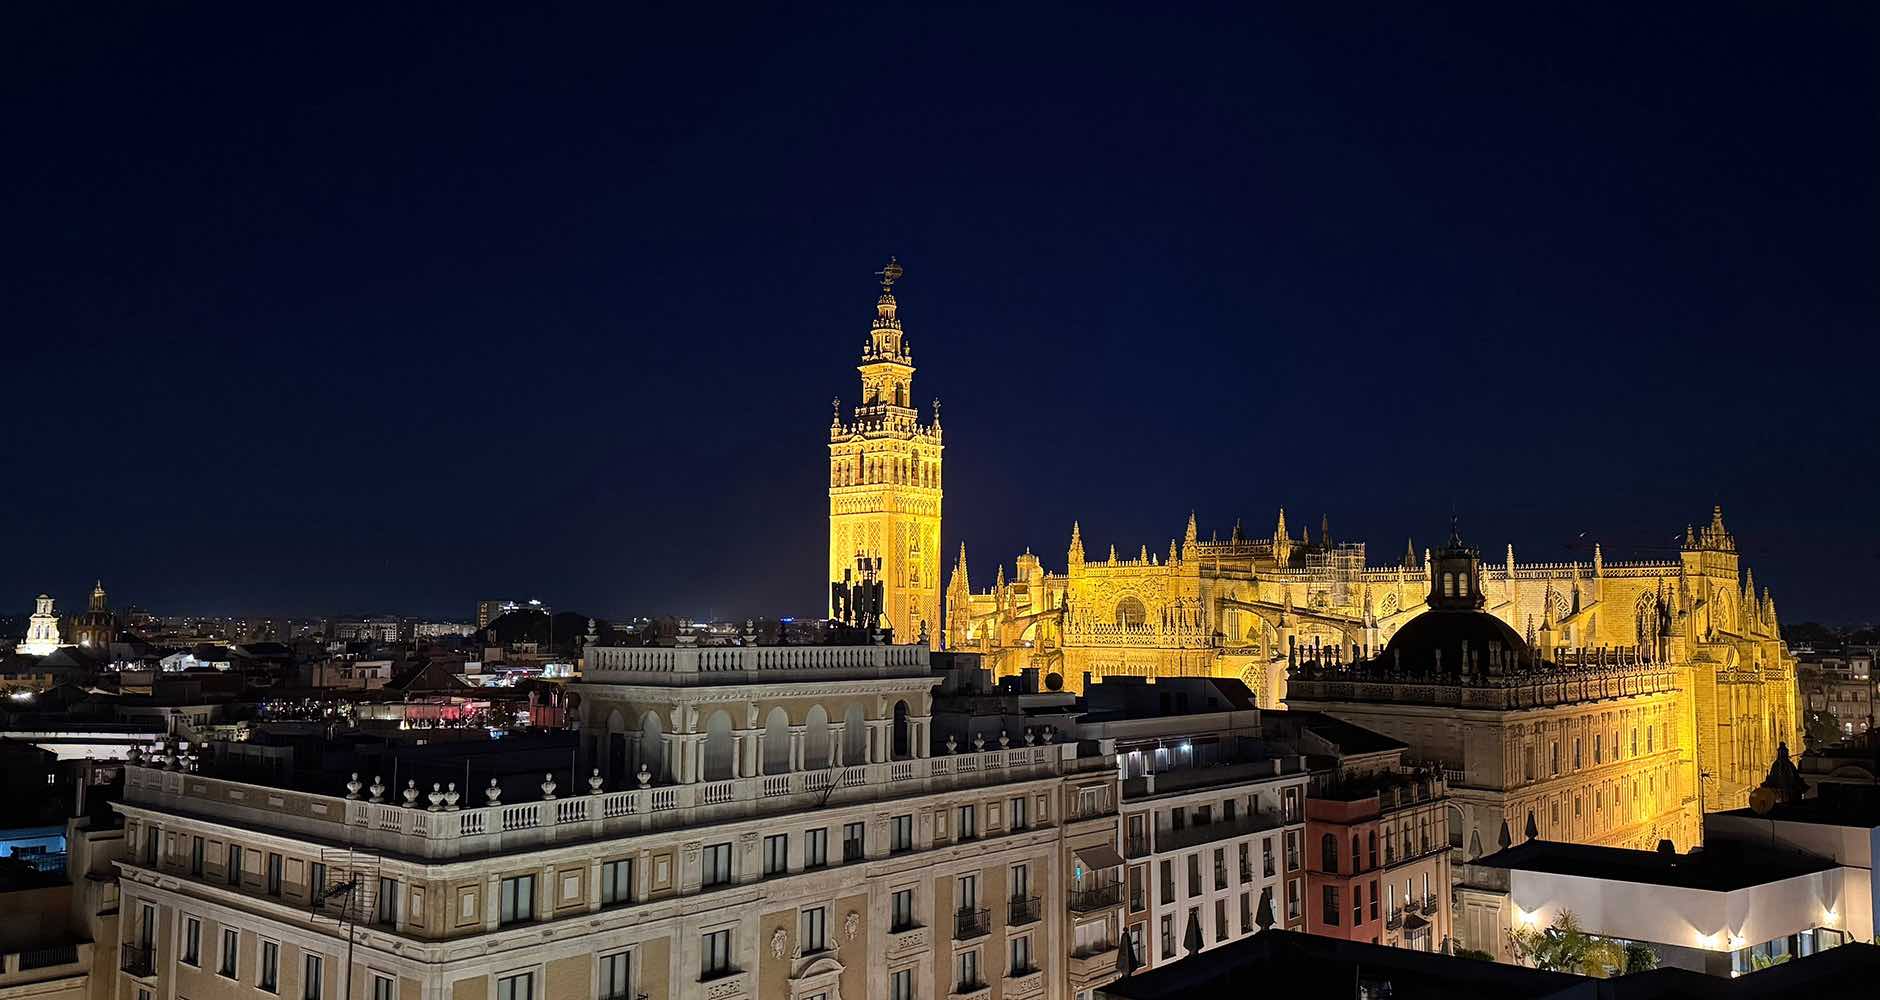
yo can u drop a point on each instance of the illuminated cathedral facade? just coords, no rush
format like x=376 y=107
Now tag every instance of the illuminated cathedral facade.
x=1695 y=646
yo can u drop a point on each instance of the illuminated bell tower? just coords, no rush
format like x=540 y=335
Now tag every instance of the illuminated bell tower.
x=884 y=479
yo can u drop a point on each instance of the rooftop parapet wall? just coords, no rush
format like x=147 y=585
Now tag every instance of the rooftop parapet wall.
x=676 y=667
x=445 y=833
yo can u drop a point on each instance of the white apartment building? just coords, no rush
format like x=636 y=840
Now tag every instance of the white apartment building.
x=1213 y=823
x=760 y=822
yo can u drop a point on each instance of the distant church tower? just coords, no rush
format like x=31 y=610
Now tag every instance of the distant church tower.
x=42 y=629
x=884 y=479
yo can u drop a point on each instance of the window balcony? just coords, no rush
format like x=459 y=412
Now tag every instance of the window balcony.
x=1101 y=897
x=1023 y=983
x=1022 y=911
x=969 y=924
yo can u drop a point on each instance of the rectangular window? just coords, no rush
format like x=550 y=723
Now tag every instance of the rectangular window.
x=1576 y=753
x=901 y=833
x=384 y=988
x=1020 y=882
x=1168 y=882
x=1227 y=809
x=1373 y=900
x=195 y=856
x=274 y=874
x=1220 y=868
x=1293 y=903
x=1598 y=754
x=1168 y=936
x=388 y=901
x=1292 y=850
x=517 y=900
x=969 y=822
x=816 y=847
x=1021 y=817
x=1194 y=874
x=815 y=930
x=1136 y=902
x=1357 y=905
x=616 y=976
x=616 y=882
x=968 y=967
x=1220 y=920
x=311 y=979
x=1246 y=913
x=715 y=954
x=192 y=941
x=901 y=985
x=1266 y=856
x=150 y=846
x=520 y=986
x=1328 y=912
x=1021 y=955
x=854 y=842
x=235 y=864
x=717 y=865
x=776 y=854
x=901 y=910
x=316 y=882
x=231 y=949
x=269 y=980
x=968 y=893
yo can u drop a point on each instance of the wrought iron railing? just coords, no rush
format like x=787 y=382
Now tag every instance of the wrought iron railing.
x=968 y=924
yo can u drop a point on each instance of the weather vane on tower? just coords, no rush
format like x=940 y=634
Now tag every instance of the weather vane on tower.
x=889 y=275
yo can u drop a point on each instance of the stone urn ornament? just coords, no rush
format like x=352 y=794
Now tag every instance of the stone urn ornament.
x=353 y=785
x=436 y=798
x=548 y=788
x=450 y=797
x=645 y=776
x=494 y=793
x=411 y=793
x=595 y=782
x=377 y=788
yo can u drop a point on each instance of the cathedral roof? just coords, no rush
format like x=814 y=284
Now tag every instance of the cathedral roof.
x=1444 y=638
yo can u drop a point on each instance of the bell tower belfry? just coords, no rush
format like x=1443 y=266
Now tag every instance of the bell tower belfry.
x=884 y=479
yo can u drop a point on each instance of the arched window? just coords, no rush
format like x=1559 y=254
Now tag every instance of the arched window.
x=716 y=762
x=854 y=737
x=1130 y=611
x=1449 y=584
x=1462 y=584
x=1328 y=847
x=776 y=742
x=1454 y=815
x=816 y=738
x=901 y=742
x=1372 y=844
x=653 y=746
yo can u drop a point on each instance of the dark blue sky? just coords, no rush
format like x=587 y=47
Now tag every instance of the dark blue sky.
x=404 y=309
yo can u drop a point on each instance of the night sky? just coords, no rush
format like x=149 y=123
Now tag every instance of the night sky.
x=400 y=309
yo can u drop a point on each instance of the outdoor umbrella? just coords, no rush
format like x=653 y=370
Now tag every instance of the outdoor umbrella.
x=1192 y=939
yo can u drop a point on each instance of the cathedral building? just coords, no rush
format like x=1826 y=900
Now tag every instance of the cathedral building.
x=884 y=480
x=1250 y=607
x=97 y=626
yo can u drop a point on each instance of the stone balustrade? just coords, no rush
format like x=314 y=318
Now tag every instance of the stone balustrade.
x=664 y=666
x=516 y=826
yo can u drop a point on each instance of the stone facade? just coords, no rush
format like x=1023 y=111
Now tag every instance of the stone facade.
x=884 y=480
x=823 y=869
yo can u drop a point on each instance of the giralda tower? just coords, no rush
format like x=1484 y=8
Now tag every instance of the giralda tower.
x=884 y=479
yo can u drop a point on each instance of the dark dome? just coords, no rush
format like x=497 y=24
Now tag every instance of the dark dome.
x=1415 y=644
